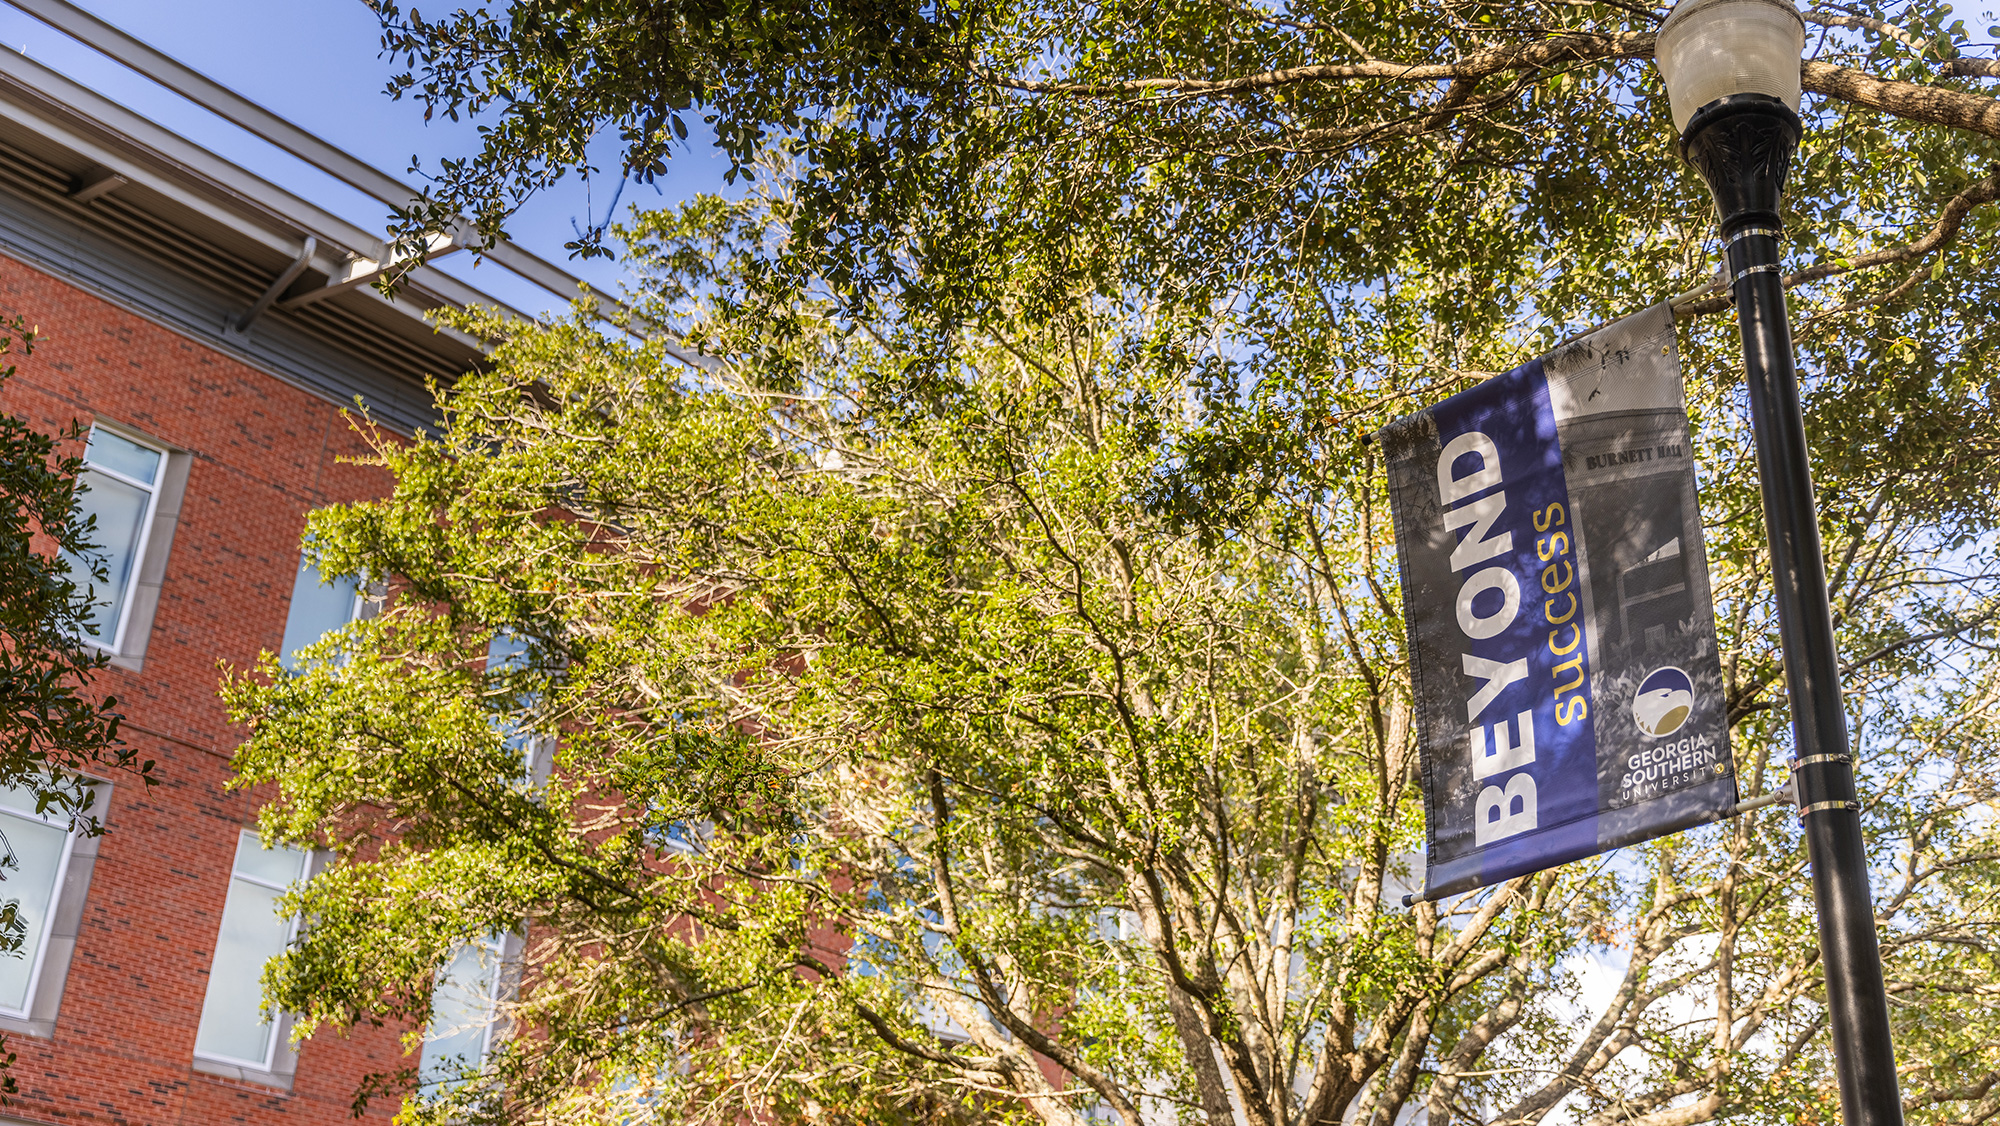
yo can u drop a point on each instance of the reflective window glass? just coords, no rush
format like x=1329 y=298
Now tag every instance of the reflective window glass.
x=123 y=456
x=233 y=1026
x=319 y=606
x=462 y=1013
x=507 y=652
x=116 y=487
x=35 y=851
x=278 y=867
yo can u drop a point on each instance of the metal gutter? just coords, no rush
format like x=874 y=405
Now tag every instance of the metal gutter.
x=133 y=149
x=343 y=166
x=241 y=111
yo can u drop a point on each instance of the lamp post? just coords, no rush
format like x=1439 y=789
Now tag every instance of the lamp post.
x=1732 y=74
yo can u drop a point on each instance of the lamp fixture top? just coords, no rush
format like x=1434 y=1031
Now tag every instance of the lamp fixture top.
x=1711 y=49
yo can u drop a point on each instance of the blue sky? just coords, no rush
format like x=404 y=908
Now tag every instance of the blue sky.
x=315 y=62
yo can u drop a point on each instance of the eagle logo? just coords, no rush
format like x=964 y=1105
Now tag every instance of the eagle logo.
x=1664 y=702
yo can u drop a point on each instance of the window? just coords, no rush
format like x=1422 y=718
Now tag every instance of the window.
x=319 y=606
x=464 y=1009
x=508 y=653
x=121 y=484
x=234 y=1030
x=45 y=879
x=37 y=858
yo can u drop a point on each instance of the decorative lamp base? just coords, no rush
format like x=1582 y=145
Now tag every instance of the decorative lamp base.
x=1743 y=145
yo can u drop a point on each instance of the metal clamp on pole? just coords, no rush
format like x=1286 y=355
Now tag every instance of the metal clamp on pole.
x=1823 y=806
x=1772 y=232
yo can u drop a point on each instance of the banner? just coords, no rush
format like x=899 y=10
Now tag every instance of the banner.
x=1562 y=641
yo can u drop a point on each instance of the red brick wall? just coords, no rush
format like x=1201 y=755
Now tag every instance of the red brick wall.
x=264 y=453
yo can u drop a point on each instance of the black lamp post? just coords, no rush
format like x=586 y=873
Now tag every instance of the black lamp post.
x=1732 y=74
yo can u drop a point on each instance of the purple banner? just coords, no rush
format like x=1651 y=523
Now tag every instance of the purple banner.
x=1562 y=644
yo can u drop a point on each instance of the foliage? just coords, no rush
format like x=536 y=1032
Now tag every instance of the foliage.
x=51 y=726
x=976 y=687
x=954 y=154
x=915 y=726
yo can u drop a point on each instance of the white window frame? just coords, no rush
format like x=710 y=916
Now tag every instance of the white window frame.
x=27 y=1010
x=280 y=1022
x=116 y=645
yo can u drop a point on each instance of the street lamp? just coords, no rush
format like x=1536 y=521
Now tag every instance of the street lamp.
x=1732 y=74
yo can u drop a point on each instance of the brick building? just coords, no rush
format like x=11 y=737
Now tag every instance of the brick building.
x=208 y=328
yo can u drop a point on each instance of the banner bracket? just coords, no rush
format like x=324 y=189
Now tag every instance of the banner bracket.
x=1787 y=792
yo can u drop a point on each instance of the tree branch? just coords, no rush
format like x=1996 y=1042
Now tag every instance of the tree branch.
x=1949 y=222
x=1981 y=191
x=1474 y=1043
x=1932 y=105
x=1879 y=27
x=1569 y=48
x=1971 y=68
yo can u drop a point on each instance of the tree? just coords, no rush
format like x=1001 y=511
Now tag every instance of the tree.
x=990 y=656
x=917 y=724
x=51 y=726
x=955 y=152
